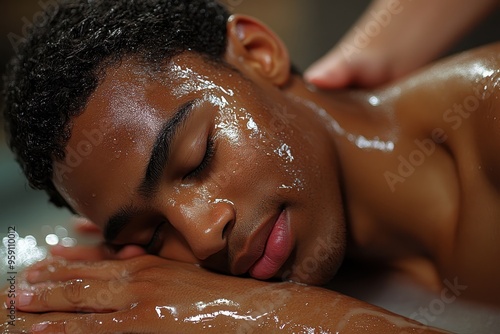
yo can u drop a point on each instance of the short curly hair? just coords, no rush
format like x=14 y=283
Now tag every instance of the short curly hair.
x=60 y=64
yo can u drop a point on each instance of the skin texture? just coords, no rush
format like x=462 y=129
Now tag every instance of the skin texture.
x=346 y=150
x=201 y=301
x=367 y=55
x=186 y=201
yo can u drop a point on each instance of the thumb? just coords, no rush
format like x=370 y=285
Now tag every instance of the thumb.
x=96 y=252
x=83 y=253
x=84 y=226
x=330 y=72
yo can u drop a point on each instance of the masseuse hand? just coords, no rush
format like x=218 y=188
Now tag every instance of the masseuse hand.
x=147 y=294
x=369 y=68
x=393 y=38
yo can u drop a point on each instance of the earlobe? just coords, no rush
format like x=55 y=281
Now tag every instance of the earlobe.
x=252 y=44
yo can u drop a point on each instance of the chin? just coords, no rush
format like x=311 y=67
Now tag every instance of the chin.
x=318 y=268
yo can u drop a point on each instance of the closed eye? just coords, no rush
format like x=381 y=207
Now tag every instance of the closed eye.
x=205 y=162
x=153 y=246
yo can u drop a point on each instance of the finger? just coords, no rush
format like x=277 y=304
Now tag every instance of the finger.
x=90 y=323
x=130 y=251
x=330 y=72
x=24 y=322
x=18 y=323
x=76 y=296
x=59 y=269
x=96 y=252
x=63 y=323
x=86 y=227
x=125 y=321
x=83 y=253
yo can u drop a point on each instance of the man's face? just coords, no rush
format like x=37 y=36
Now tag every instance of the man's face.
x=200 y=164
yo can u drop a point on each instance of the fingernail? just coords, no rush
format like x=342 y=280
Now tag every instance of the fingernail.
x=314 y=73
x=39 y=327
x=25 y=298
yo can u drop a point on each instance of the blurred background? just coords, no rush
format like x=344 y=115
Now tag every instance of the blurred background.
x=308 y=27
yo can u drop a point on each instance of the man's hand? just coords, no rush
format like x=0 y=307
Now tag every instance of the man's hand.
x=148 y=294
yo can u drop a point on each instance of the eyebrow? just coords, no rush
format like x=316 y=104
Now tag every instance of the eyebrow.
x=162 y=149
x=117 y=223
x=160 y=154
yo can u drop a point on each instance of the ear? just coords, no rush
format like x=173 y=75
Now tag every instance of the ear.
x=253 y=45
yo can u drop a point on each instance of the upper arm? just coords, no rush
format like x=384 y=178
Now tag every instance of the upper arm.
x=486 y=120
x=461 y=96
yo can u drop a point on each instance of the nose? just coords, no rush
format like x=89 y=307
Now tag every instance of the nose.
x=204 y=225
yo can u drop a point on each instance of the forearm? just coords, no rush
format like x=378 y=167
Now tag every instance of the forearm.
x=188 y=299
x=411 y=33
x=293 y=308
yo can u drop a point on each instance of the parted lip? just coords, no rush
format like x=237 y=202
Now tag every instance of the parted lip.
x=255 y=246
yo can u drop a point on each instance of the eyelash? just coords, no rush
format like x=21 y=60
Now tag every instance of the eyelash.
x=150 y=247
x=207 y=158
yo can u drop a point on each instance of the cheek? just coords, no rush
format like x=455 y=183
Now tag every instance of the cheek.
x=256 y=147
x=285 y=155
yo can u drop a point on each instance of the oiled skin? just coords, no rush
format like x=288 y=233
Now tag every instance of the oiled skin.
x=449 y=199
x=148 y=294
x=444 y=212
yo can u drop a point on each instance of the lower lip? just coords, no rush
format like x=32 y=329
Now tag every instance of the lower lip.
x=277 y=251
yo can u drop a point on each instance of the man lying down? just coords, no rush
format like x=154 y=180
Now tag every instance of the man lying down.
x=183 y=133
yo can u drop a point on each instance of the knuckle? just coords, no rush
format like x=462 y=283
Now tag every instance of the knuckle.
x=134 y=262
x=86 y=324
x=140 y=287
x=147 y=276
x=44 y=297
x=73 y=327
x=73 y=292
x=53 y=265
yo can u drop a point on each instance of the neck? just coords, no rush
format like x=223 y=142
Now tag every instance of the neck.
x=364 y=133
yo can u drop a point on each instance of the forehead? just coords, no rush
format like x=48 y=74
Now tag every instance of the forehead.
x=119 y=124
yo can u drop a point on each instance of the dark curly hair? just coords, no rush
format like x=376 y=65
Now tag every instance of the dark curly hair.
x=60 y=64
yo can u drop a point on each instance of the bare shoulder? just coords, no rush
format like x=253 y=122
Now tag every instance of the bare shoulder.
x=478 y=74
x=469 y=80
x=456 y=103
x=458 y=98
x=474 y=115
x=485 y=118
